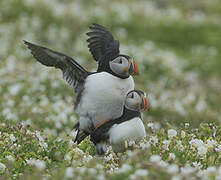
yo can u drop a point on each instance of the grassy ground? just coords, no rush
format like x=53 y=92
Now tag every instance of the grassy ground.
x=177 y=46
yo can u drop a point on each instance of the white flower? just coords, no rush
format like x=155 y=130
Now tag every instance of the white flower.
x=79 y=150
x=187 y=170
x=172 y=156
x=162 y=164
x=196 y=143
x=43 y=144
x=155 y=158
x=201 y=105
x=144 y=144
x=2 y=167
x=150 y=125
x=153 y=140
x=12 y=137
x=172 y=133
x=197 y=165
x=183 y=134
x=219 y=171
x=109 y=157
x=69 y=173
x=132 y=177
x=40 y=164
x=71 y=142
x=141 y=172
x=10 y=158
x=101 y=177
x=92 y=171
x=131 y=154
x=172 y=169
x=82 y=170
x=218 y=148
x=14 y=89
x=37 y=163
x=131 y=143
x=67 y=157
x=176 y=178
x=202 y=174
x=87 y=158
x=41 y=140
x=26 y=123
x=179 y=144
x=166 y=144
x=187 y=124
x=211 y=170
x=211 y=143
x=202 y=150
x=124 y=168
x=99 y=166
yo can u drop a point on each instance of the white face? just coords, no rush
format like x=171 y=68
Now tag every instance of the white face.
x=133 y=101
x=120 y=66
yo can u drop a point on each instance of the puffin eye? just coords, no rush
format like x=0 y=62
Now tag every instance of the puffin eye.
x=132 y=96
x=120 y=61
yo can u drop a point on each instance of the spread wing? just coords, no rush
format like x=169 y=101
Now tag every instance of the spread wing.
x=73 y=72
x=101 y=42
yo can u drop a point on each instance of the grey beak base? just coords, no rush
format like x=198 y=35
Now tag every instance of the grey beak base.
x=142 y=105
x=131 y=69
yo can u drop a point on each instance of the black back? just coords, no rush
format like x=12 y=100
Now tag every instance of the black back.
x=103 y=47
x=101 y=133
x=101 y=42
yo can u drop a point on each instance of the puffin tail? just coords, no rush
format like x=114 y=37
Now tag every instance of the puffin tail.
x=81 y=135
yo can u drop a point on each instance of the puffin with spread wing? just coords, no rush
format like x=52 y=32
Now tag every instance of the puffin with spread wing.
x=100 y=94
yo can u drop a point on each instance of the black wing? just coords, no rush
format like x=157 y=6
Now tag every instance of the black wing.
x=101 y=42
x=101 y=133
x=73 y=72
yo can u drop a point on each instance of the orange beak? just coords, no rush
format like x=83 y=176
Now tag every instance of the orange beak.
x=135 y=67
x=146 y=104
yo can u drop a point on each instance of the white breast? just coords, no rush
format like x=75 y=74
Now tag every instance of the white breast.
x=103 y=97
x=129 y=130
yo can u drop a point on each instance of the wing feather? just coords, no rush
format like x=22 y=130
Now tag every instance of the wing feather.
x=101 y=42
x=73 y=73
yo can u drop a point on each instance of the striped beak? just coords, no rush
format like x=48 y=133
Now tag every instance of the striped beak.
x=133 y=70
x=144 y=104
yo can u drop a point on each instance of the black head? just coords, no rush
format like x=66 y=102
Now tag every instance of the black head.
x=121 y=66
x=136 y=101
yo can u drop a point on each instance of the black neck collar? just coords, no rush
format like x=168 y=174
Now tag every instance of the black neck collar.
x=101 y=133
x=127 y=115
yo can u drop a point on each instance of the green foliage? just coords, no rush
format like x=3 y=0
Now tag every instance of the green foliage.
x=176 y=45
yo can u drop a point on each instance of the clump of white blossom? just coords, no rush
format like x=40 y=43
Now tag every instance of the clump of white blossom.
x=37 y=163
x=37 y=107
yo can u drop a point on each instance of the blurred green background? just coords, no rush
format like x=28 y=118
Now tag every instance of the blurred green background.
x=176 y=44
